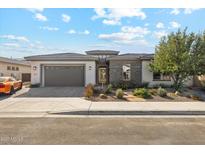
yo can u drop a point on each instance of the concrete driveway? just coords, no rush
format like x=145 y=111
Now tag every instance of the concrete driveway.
x=51 y=92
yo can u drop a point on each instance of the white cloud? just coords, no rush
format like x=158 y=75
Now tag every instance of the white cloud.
x=174 y=24
x=100 y=13
x=15 y=38
x=111 y=22
x=114 y=16
x=40 y=17
x=190 y=10
x=160 y=25
x=175 y=11
x=159 y=34
x=71 y=31
x=127 y=35
x=34 y=10
x=147 y=24
x=16 y=45
x=49 y=28
x=138 y=31
x=65 y=17
x=38 y=42
x=86 y=32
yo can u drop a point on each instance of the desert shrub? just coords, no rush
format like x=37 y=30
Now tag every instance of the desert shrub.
x=108 y=90
x=153 y=91
x=119 y=93
x=196 y=98
x=162 y=85
x=141 y=92
x=89 y=91
x=96 y=89
x=124 y=85
x=161 y=92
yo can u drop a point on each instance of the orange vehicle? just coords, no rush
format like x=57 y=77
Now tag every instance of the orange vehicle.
x=8 y=85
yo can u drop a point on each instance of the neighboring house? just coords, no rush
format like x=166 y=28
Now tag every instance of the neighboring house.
x=96 y=67
x=19 y=69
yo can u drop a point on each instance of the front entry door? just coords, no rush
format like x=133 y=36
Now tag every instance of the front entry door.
x=102 y=75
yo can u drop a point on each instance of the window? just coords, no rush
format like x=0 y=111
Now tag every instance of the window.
x=126 y=72
x=8 y=67
x=13 y=68
x=156 y=76
x=1 y=74
x=166 y=77
x=102 y=75
x=12 y=75
x=17 y=68
x=159 y=76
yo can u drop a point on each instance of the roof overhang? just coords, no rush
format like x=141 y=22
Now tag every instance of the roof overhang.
x=102 y=52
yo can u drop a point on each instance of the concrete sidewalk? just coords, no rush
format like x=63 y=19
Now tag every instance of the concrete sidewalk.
x=64 y=106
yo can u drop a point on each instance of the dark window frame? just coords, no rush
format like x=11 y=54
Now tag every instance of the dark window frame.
x=161 y=77
x=9 y=68
x=127 y=75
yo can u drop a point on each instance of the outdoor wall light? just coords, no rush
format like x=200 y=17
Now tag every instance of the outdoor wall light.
x=34 y=68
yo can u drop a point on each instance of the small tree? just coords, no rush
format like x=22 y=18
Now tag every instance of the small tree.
x=180 y=55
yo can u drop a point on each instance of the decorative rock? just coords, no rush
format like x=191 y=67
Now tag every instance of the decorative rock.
x=103 y=96
x=178 y=93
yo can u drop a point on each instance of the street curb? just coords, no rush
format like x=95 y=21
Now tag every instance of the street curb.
x=90 y=113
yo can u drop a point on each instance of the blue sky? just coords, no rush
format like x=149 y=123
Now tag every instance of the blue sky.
x=25 y=32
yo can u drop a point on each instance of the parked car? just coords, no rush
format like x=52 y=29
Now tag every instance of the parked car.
x=8 y=85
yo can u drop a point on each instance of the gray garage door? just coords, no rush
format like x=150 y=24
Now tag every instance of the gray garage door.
x=64 y=76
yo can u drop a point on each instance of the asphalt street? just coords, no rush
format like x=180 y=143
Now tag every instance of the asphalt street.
x=101 y=130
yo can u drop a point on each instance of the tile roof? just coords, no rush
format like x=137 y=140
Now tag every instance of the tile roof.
x=61 y=56
x=132 y=56
x=14 y=61
x=102 y=52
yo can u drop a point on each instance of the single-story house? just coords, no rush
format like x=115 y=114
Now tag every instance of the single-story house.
x=19 y=69
x=96 y=67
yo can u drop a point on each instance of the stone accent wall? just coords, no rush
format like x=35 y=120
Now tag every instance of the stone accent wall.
x=115 y=71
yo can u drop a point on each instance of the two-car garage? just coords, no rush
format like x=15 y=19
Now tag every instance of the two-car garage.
x=68 y=75
x=63 y=70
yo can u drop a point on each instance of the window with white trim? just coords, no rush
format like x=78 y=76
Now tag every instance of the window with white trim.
x=126 y=74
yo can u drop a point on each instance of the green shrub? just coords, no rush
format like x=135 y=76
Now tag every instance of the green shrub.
x=144 y=85
x=161 y=92
x=96 y=89
x=35 y=85
x=108 y=90
x=124 y=85
x=141 y=92
x=119 y=93
x=89 y=91
x=162 y=85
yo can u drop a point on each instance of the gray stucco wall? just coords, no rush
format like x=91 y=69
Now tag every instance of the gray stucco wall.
x=115 y=71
